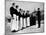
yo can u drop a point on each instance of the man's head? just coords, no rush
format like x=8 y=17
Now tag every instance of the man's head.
x=38 y=9
x=16 y=6
x=24 y=11
x=20 y=9
x=28 y=11
x=13 y=4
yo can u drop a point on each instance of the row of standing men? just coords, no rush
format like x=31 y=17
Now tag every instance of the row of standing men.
x=20 y=20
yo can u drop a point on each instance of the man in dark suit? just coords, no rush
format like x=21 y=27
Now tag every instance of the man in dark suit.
x=24 y=16
x=38 y=14
x=12 y=9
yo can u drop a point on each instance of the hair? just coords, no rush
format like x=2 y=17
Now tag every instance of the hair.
x=16 y=6
x=20 y=9
x=27 y=10
x=24 y=11
x=13 y=3
x=38 y=8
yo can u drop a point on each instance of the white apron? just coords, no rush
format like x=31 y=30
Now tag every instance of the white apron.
x=28 y=21
x=24 y=22
x=21 y=23
x=14 y=23
x=17 y=22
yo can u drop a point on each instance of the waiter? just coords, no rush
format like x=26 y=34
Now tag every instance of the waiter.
x=28 y=19
x=12 y=10
x=13 y=13
x=24 y=19
x=20 y=19
x=17 y=17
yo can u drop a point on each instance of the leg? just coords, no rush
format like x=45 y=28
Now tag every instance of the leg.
x=38 y=24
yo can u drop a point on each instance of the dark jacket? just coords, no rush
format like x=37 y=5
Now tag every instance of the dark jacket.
x=38 y=14
x=32 y=20
x=13 y=11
